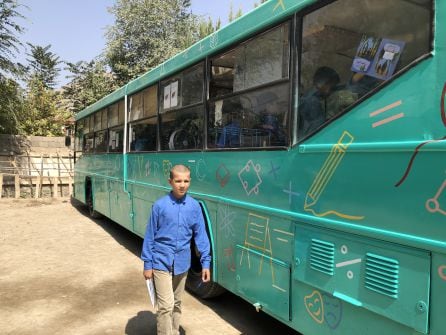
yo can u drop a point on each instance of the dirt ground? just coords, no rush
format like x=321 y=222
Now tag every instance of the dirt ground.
x=63 y=273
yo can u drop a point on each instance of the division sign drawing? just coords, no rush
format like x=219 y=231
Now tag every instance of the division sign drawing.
x=344 y=251
x=324 y=176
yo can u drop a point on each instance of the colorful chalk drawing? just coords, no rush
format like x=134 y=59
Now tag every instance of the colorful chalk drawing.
x=324 y=307
x=344 y=251
x=147 y=168
x=285 y=236
x=213 y=42
x=167 y=166
x=417 y=149
x=443 y=105
x=290 y=193
x=332 y=310
x=229 y=256
x=223 y=175
x=258 y=237
x=279 y=4
x=432 y=204
x=274 y=170
x=412 y=159
x=314 y=304
x=388 y=119
x=324 y=176
x=226 y=220
x=442 y=271
x=250 y=178
x=200 y=168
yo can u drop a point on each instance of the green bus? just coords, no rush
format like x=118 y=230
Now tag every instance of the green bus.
x=314 y=131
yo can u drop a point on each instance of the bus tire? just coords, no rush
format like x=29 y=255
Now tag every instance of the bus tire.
x=89 y=200
x=195 y=285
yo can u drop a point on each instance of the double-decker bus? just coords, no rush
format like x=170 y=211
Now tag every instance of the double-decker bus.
x=315 y=135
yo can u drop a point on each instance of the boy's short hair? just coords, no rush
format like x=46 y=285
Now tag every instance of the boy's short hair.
x=178 y=168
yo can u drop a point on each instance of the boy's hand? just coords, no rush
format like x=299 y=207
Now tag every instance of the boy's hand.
x=148 y=274
x=205 y=275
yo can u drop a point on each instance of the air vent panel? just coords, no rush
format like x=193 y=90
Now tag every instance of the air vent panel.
x=382 y=275
x=322 y=256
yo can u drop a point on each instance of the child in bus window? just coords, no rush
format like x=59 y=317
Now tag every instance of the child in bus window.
x=270 y=118
x=230 y=136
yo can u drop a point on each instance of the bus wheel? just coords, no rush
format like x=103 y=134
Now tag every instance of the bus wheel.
x=89 y=199
x=194 y=283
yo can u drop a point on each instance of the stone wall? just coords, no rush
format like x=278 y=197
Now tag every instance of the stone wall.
x=41 y=166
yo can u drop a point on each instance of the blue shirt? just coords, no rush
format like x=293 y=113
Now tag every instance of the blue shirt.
x=171 y=226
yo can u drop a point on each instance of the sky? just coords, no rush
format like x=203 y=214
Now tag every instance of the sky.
x=76 y=28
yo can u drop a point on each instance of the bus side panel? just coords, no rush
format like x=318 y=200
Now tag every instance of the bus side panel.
x=79 y=187
x=100 y=189
x=386 y=279
x=143 y=199
x=121 y=204
x=438 y=278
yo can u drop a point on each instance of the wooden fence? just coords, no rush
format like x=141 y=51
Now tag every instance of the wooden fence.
x=37 y=173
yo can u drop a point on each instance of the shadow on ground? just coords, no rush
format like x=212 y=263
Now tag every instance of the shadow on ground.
x=231 y=308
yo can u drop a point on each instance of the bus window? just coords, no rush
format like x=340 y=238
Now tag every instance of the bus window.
x=116 y=139
x=100 y=141
x=150 y=101
x=136 y=111
x=183 y=89
x=182 y=129
x=259 y=61
x=79 y=137
x=113 y=115
x=182 y=113
x=350 y=47
x=255 y=119
x=143 y=135
x=143 y=109
x=88 y=143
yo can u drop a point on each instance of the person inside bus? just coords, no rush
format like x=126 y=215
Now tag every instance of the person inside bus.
x=176 y=218
x=268 y=104
x=230 y=136
x=361 y=83
x=324 y=101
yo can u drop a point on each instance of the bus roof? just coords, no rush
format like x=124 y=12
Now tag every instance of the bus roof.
x=256 y=20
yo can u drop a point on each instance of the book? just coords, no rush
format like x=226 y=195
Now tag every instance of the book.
x=151 y=290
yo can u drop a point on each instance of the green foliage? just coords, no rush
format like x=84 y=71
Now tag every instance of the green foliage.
x=43 y=64
x=89 y=82
x=146 y=33
x=9 y=42
x=11 y=106
x=42 y=117
x=206 y=28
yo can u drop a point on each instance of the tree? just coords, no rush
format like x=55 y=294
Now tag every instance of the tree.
x=42 y=114
x=11 y=106
x=90 y=82
x=42 y=117
x=206 y=28
x=43 y=64
x=9 y=42
x=231 y=15
x=146 y=33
